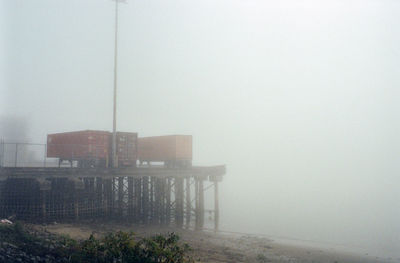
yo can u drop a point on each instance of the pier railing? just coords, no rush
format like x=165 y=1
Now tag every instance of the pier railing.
x=23 y=154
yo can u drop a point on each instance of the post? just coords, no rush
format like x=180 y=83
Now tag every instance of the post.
x=138 y=199
x=168 y=202
x=114 y=135
x=130 y=198
x=201 y=204
x=151 y=202
x=107 y=189
x=162 y=201
x=16 y=154
x=2 y=152
x=216 y=207
x=76 y=204
x=120 y=196
x=188 y=203
x=99 y=201
x=72 y=157
x=196 y=198
x=43 y=204
x=179 y=202
x=145 y=200
x=45 y=155
x=113 y=197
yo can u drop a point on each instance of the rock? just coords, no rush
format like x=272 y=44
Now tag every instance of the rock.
x=5 y=222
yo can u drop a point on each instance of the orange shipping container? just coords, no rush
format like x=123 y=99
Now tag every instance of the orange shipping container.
x=170 y=148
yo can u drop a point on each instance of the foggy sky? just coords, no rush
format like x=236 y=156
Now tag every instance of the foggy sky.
x=300 y=99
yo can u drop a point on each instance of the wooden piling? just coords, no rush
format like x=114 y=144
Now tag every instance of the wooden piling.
x=168 y=202
x=201 y=204
x=188 y=203
x=99 y=197
x=162 y=201
x=130 y=198
x=151 y=199
x=120 y=196
x=196 y=198
x=138 y=199
x=43 y=206
x=179 y=202
x=216 y=207
x=145 y=200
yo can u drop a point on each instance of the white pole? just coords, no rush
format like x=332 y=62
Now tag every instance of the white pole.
x=114 y=135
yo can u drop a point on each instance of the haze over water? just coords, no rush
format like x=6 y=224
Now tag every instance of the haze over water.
x=299 y=99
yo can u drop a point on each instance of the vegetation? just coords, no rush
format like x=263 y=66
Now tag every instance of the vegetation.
x=114 y=247
x=262 y=259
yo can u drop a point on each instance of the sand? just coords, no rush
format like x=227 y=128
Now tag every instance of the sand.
x=228 y=247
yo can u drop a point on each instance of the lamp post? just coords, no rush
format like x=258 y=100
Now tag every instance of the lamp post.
x=114 y=135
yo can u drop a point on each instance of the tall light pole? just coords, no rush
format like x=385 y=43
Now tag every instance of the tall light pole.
x=114 y=135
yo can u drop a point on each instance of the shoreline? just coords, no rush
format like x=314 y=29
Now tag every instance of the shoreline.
x=224 y=246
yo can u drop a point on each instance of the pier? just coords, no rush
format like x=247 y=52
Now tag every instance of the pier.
x=145 y=195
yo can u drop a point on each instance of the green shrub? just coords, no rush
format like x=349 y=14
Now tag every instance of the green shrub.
x=163 y=249
x=262 y=259
x=122 y=247
x=114 y=247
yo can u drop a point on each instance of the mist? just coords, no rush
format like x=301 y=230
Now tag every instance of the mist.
x=298 y=98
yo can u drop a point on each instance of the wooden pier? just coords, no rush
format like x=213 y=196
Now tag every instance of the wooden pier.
x=144 y=195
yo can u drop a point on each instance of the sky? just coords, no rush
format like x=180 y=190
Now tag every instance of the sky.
x=299 y=99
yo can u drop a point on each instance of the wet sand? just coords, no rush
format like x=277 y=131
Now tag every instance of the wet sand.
x=229 y=247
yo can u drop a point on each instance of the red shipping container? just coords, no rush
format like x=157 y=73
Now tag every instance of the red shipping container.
x=79 y=145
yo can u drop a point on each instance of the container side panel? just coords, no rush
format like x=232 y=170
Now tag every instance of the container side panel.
x=78 y=145
x=165 y=148
x=126 y=148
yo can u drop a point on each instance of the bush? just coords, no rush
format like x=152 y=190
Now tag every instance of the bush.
x=114 y=247
x=122 y=247
x=162 y=249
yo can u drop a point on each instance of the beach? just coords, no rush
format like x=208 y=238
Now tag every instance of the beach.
x=213 y=247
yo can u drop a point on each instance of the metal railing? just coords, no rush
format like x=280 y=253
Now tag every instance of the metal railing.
x=21 y=154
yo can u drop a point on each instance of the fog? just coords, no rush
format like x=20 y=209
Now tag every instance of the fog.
x=300 y=99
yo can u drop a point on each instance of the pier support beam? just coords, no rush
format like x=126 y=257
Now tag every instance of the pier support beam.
x=199 y=197
x=179 y=202
x=145 y=200
x=168 y=201
x=76 y=204
x=151 y=202
x=216 y=207
x=138 y=199
x=120 y=196
x=162 y=201
x=188 y=203
x=157 y=201
x=107 y=183
x=43 y=195
x=196 y=201
x=99 y=196
x=130 y=198
x=201 y=204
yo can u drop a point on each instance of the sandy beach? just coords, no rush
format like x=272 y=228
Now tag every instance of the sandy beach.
x=229 y=247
